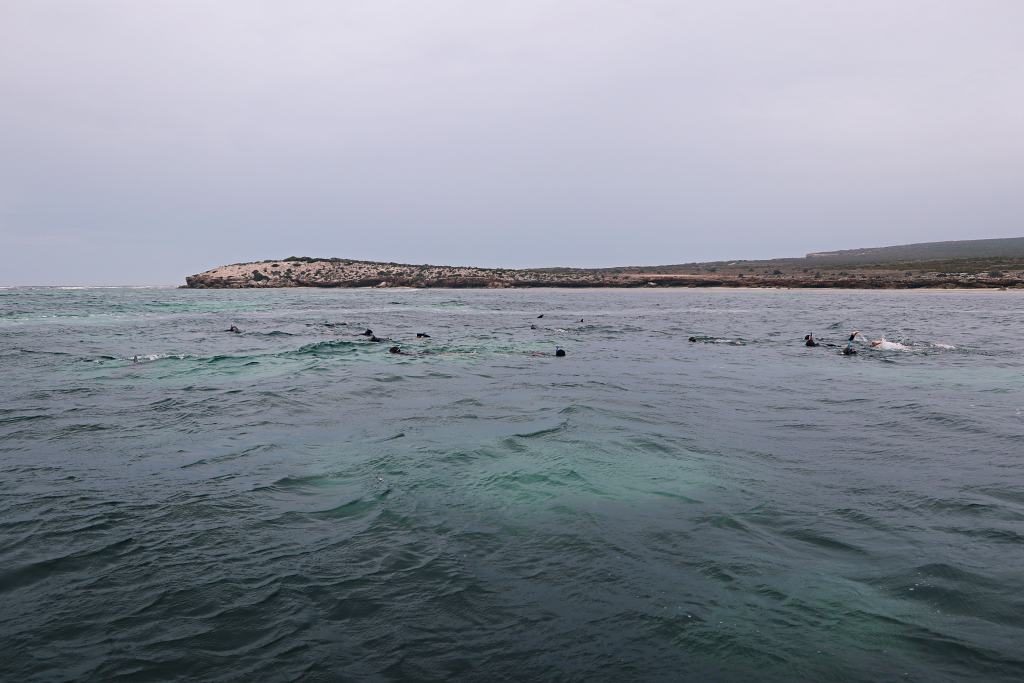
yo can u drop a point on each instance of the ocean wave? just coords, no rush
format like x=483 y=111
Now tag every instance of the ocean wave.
x=326 y=348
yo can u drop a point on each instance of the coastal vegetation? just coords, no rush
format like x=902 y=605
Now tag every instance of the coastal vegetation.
x=965 y=264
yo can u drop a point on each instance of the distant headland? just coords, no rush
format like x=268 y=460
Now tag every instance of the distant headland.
x=990 y=263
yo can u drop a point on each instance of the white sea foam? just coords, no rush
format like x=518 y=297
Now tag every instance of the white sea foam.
x=157 y=356
x=884 y=345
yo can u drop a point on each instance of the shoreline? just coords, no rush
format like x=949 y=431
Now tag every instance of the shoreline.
x=978 y=290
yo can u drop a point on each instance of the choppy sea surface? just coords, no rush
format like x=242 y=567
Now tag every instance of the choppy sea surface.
x=294 y=502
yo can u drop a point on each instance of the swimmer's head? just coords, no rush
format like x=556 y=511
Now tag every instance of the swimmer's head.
x=394 y=349
x=693 y=339
x=559 y=351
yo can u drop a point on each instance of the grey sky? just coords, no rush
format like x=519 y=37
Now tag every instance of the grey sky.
x=143 y=140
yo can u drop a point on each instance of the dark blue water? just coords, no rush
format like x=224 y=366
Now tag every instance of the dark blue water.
x=295 y=503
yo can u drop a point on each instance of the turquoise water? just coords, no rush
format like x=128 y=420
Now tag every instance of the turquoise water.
x=295 y=503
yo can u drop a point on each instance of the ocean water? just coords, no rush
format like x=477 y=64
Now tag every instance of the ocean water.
x=296 y=503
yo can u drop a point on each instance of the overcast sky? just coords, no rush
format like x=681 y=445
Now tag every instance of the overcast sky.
x=144 y=140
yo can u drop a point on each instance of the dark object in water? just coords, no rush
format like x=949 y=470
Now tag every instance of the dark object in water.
x=809 y=340
x=533 y=327
x=233 y=329
x=541 y=315
x=559 y=352
x=395 y=349
x=849 y=350
x=368 y=333
x=422 y=335
x=375 y=338
x=693 y=339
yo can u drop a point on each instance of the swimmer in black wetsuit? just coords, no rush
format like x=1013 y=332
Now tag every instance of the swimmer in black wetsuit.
x=848 y=350
x=809 y=340
x=559 y=352
x=368 y=333
x=422 y=335
x=233 y=329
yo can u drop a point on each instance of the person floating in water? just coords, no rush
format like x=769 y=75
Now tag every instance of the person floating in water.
x=396 y=350
x=135 y=359
x=693 y=339
x=233 y=329
x=848 y=350
x=368 y=332
x=809 y=340
x=559 y=352
x=375 y=338
x=422 y=335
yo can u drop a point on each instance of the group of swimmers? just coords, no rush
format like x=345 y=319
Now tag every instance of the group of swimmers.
x=397 y=350
x=809 y=340
x=394 y=349
x=849 y=349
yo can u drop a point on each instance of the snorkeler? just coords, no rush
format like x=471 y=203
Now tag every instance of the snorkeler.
x=848 y=350
x=233 y=329
x=395 y=349
x=809 y=340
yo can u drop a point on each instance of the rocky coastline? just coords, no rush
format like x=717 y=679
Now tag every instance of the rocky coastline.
x=781 y=273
